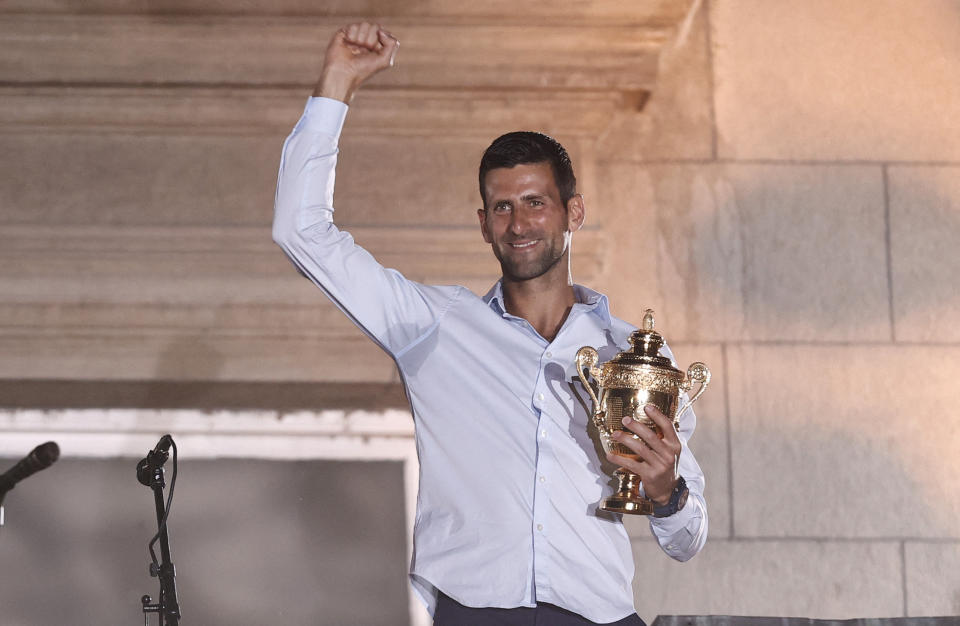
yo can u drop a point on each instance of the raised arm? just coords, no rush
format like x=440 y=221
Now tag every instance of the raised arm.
x=389 y=308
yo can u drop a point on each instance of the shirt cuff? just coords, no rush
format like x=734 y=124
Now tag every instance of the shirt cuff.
x=323 y=115
x=678 y=521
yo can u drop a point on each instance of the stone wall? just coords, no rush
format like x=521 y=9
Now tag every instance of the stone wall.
x=794 y=176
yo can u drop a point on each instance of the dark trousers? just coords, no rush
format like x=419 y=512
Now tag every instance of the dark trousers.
x=451 y=613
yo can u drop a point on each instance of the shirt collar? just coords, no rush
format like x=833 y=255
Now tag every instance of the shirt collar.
x=592 y=301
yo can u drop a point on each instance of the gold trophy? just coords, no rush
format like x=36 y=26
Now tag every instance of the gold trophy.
x=627 y=383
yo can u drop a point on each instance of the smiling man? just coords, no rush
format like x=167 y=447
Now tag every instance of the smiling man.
x=507 y=528
x=529 y=222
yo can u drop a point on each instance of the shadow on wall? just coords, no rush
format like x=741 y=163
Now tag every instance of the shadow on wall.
x=771 y=252
x=185 y=358
x=792 y=260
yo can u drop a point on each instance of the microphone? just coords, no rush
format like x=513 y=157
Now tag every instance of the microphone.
x=163 y=446
x=154 y=460
x=42 y=457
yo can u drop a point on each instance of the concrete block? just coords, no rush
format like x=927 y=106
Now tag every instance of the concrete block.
x=182 y=179
x=709 y=442
x=844 y=441
x=924 y=231
x=656 y=11
x=131 y=179
x=858 y=80
x=751 y=252
x=677 y=121
x=287 y=50
x=480 y=114
x=816 y=579
x=622 y=209
x=390 y=182
x=483 y=114
x=933 y=578
x=91 y=355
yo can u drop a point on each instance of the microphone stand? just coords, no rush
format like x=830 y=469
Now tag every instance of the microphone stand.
x=150 y=473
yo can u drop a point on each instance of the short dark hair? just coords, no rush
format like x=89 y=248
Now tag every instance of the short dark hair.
x=523 y=147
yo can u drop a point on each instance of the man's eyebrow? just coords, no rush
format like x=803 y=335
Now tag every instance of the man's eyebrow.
x=532 y=196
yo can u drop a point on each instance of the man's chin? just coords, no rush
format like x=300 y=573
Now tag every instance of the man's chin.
x=521 y=273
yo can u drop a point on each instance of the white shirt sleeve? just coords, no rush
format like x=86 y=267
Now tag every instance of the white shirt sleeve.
x=392 y=310
x=683 y=534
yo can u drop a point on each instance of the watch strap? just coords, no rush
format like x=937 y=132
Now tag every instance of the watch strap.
x=678 y=498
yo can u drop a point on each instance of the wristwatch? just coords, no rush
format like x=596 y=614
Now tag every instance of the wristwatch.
x=678 y=497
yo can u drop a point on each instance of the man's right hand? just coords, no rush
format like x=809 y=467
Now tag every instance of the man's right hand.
x=356 y=52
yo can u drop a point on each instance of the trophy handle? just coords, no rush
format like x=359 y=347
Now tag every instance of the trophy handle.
x=696 y=373
x=587 y=358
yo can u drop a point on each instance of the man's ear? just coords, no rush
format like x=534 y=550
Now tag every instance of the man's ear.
x=482 y=214
x=576 y=213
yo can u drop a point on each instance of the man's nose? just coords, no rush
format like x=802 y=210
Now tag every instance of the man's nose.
x=519 y=221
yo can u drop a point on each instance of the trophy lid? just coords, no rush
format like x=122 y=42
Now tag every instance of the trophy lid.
x=646 y=344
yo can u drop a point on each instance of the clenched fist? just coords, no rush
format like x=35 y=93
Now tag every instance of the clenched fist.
x=355 y=53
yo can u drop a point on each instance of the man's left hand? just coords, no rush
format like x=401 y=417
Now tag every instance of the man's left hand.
x=658 y=471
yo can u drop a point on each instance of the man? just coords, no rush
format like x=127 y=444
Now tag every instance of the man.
x=507 y=527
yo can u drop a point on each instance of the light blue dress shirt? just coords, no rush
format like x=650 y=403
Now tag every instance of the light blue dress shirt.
x=510 y=479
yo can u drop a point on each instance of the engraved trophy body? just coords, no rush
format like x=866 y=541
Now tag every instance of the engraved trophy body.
x=627 y=383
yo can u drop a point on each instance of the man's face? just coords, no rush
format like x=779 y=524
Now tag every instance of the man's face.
x=524 y=220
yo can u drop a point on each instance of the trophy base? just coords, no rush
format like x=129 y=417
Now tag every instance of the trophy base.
x=617 y=504
x=627 y=499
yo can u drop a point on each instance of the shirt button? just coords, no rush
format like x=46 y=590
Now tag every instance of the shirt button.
x=543 y=479
x=540 y=397
x=539 y=526
x=543 y=433
x=548 y=354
